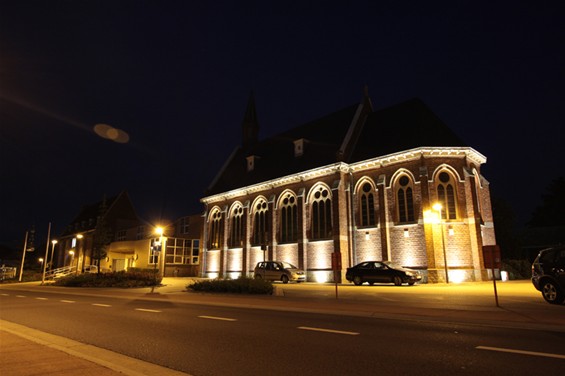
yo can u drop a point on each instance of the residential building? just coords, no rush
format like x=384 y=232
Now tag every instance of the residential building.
x=95 y=226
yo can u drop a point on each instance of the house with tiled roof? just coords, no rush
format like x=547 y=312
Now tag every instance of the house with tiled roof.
x=357 y=184
x=105 y=221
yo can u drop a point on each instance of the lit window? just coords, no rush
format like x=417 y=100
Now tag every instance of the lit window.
x=367 y=206
x=237 y=228
x=321 y=214
x=446 y=195
x=260 y=222
x=215 y=236
x=288 y=219
x=405 y=200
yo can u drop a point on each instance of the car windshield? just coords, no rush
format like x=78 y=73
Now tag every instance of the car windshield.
x=392 y=265
x=287 y=265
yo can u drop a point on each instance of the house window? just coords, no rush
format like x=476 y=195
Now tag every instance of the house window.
x=446 y=196
x=367 y=206
x=289 y=219
x=140 y=232
x=180 y=251
x=215 y=237
x=321 y=214
x=121 y=235
x=184 y=225
x=260 y=222
x=237 y=228
x=405 y=200
x=154 y=250
x=195 y=252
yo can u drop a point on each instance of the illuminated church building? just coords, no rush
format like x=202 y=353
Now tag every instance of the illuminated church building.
x=358 y=183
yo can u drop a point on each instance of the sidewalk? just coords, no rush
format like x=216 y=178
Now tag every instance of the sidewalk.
x=24 y=351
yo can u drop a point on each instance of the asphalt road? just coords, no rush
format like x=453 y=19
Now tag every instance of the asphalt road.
x=207 y=340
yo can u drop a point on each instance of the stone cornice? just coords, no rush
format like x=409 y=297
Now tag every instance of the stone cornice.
x=341 y=167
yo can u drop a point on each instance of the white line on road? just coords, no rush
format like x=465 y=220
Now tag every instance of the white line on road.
x=217 y=318
x=101 y=305
x=328 y=330
x=147 y=310
x=5 y=294
x=67 y=301
x=41 y=298
x=20 y=296
x=547 y=355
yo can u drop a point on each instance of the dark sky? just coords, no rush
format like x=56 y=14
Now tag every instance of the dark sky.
x=176 y=76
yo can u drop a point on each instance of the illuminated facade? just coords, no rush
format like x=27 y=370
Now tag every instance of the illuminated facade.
x=358 y=183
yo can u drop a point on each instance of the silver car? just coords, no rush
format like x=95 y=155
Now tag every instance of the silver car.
x=279 y=271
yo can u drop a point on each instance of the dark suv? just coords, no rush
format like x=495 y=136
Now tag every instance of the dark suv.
x=548 y=274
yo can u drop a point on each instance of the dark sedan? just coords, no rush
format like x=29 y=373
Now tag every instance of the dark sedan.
x=381 y=272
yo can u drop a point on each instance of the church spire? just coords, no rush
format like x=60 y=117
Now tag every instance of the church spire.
x=250 y=125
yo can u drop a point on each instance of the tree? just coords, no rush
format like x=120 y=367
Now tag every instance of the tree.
x=503 y=217
x=551 y=211
x=102 y=236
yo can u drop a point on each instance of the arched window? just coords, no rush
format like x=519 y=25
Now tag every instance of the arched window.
x=321 y=214
x=237 y=230
x=367 y=206
x=260 y=222
x=405 y=200
x=216 y=234
x=288 y=219
x=446 y=195
x=478 y=188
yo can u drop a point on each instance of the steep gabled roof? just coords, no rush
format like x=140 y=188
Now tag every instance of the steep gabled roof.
x=86 y=220
x=404 y=126
x=275 y=155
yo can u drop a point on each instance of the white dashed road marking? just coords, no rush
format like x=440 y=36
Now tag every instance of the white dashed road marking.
x=547 y=355
x=147 y=310
x=217 y=318
x=101 y=305
x=329 y=330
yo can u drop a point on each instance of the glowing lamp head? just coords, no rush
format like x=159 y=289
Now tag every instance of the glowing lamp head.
x=159 y=230
x=437 y=206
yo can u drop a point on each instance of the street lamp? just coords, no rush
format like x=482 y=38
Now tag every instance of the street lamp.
x=80 y=252
x=157 y=255
x=53 y=242
x=72 y=254
x=438 y=207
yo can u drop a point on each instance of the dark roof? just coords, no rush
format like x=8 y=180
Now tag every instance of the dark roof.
x=401 y=127
x=404 y=126
x=86 y=220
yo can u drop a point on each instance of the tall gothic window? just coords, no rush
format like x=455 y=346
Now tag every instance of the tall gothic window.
x=446 y=195
x=321 y=214
x=367 y=206
x=216 y=234
x=260 y=222
x=237 y=229
x=405 y=200
x=288 y=219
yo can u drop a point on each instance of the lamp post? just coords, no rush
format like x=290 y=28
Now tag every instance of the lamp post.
x=156 y=253
x=80 y=252
x=438 y=208
x=53 y=242
x=72 y=254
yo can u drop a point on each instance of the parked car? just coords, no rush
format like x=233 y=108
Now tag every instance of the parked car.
x=381 y=272
x=279 y=271
x=548 y=274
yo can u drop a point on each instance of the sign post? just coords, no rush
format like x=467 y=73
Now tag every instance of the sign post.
x=491 y=257
x=336 y=267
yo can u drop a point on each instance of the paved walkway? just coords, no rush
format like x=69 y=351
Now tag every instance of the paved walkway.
x=25 y=351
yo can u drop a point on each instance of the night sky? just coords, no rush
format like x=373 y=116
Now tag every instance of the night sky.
x=175 y=76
